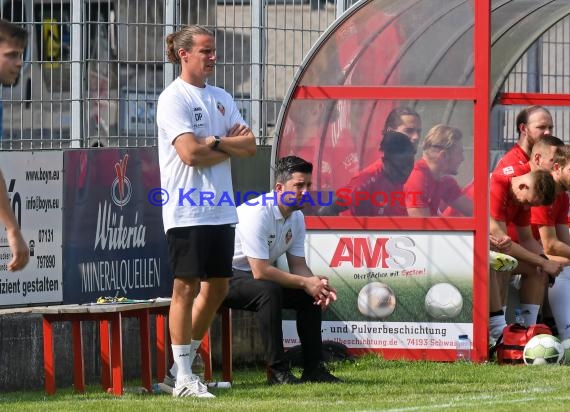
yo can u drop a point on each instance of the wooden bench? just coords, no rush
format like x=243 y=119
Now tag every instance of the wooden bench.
x=109 y=317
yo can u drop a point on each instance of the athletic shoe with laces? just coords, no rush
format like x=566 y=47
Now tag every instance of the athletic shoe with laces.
x=319 y=374
x=501 y=262
x=168 y=384
x=281 y=376
x=190 y=386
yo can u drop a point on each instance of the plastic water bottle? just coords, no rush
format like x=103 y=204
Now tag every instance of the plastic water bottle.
x=463 y=348
x=220 y=385
x=519 y=319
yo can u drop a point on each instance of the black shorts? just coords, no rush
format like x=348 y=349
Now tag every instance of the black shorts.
x=201 y=251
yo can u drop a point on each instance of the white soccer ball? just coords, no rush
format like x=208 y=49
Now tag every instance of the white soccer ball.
x=376 y=300
x=543 y=350
x=443 y=301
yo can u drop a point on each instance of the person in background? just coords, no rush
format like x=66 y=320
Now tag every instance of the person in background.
x=268 y=228
x=550 y=227
x=431 y=179
x=510 y=201
x=199 y=129
x=378 y=191
x=13 y=41
x=404 y=120
x=533 y=123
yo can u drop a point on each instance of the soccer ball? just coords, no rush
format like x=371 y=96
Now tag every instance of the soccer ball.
x=443 y=301
x=376 y=300
x=543 y=350
x=566 y=346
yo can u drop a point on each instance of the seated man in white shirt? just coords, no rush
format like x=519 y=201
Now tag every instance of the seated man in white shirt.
x=268 y=227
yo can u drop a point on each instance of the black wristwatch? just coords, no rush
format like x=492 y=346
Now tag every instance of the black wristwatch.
x=217 y=142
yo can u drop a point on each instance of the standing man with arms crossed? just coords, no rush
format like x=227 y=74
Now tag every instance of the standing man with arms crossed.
x=199 y=129
x=270 y=226
x=13 y=40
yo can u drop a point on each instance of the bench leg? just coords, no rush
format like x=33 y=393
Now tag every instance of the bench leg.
x=116 y=354
x=146 y=372
x=206 y=353
x=105 y=350
x=161 y=347
x=78 y=367
x=49 y=364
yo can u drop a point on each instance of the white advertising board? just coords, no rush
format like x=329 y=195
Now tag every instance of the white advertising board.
x=35 y=185
x=383 y=280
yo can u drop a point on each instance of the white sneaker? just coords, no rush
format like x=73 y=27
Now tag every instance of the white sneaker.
x=501 y=262
x=191 y=386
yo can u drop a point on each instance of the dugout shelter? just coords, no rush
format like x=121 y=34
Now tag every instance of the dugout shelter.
x=448 y=61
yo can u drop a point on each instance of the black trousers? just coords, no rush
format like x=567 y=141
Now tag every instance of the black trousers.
x=268 y=298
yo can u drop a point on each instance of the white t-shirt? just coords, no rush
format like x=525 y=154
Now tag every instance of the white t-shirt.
x=263 y=232
x=196 y=195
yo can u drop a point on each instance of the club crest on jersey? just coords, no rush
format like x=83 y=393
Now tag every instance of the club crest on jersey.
x=509 y=170
x=288 y=236
x=221 y=108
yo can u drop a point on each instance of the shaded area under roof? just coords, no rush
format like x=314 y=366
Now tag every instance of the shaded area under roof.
x=413 y=43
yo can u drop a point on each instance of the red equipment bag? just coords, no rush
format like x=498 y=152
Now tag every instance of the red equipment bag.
x=510 y=345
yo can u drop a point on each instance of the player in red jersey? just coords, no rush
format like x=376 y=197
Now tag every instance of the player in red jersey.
x=510 y=200
x=378 y=192
x=403 y=120
x=432 y=175
x=550 y=226
x=533 y=123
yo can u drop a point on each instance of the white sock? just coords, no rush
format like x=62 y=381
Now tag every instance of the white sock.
x=496 y=325
x=181 y=355
x=529 y=313
x=559 y=299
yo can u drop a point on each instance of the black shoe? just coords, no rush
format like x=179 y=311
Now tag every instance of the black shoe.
x=319 y=374
x=281 y=376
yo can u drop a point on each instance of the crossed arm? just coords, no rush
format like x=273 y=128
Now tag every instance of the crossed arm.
x=240 y=142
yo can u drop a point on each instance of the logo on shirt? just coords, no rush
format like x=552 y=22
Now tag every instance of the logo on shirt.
x=270 y=240
x=221 y=108
x=509 y=170
x=288 y=236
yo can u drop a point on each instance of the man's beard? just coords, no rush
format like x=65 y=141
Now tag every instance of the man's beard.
x=10 y=83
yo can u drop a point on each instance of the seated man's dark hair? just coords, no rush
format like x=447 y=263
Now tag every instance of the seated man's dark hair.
x=286 y=166
x=544 y=186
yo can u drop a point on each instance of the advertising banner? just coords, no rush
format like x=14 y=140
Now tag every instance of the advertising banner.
x=396 y=290
x=34 y=182
x=114 y=239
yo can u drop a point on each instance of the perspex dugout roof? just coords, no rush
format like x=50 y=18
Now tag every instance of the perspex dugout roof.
x=407 y=43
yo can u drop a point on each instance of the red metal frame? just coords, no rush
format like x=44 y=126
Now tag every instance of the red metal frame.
x=384 y=92
x=526 y=99
x=479 y=224
x=111 y=349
